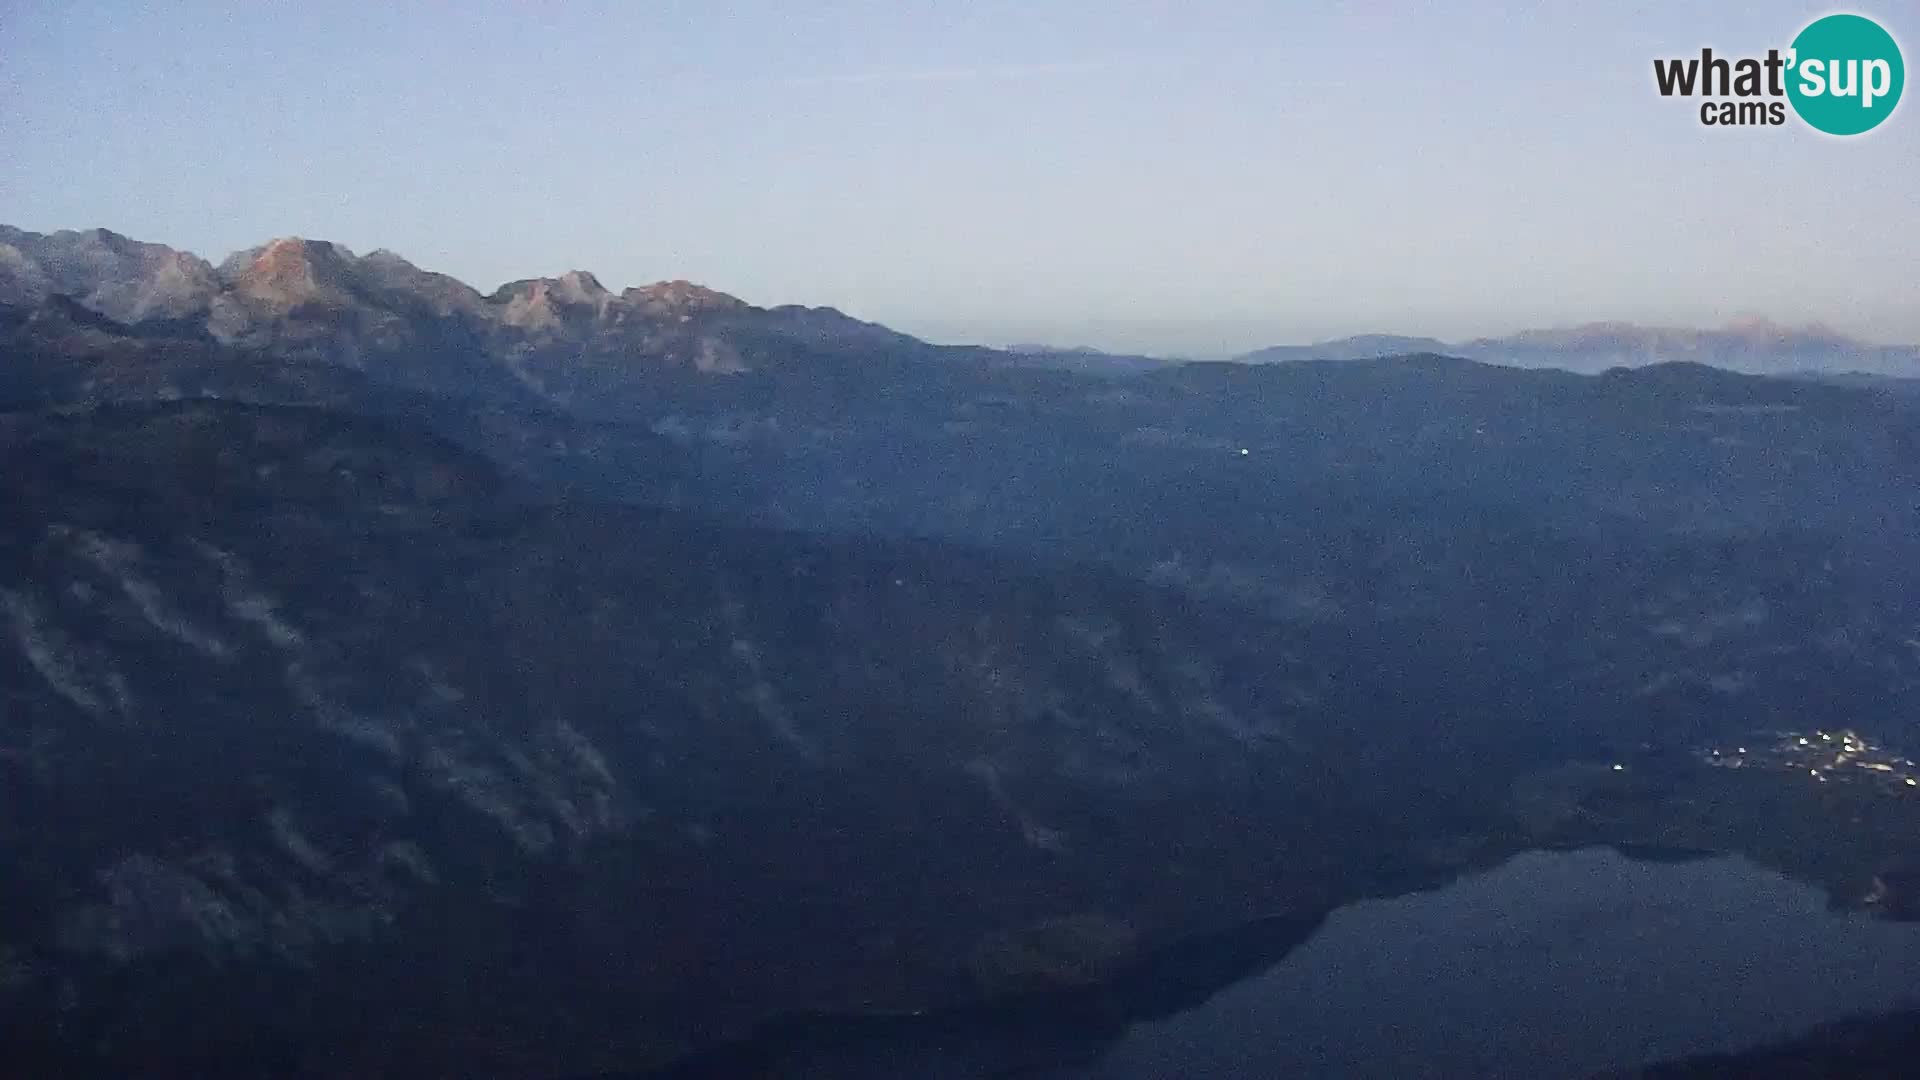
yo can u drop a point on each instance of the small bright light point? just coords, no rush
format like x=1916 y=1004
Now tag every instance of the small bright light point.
x=1244 y=451
x=1619 y=768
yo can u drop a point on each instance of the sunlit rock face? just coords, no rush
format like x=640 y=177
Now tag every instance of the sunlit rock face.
x=560 y=337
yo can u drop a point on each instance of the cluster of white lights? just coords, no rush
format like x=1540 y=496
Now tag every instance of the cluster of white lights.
x=1823 y=754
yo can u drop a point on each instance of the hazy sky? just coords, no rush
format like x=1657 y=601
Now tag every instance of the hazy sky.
x=1190 y=177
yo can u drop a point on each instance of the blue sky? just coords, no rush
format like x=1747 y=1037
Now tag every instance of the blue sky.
x=1196 y=178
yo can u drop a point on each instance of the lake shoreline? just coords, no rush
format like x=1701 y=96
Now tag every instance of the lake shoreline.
x=1164 y=979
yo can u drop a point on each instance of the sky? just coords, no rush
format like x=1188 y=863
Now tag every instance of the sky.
x=1182 y=178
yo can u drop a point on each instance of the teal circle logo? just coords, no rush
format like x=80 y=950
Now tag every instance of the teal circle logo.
x=1845 y=74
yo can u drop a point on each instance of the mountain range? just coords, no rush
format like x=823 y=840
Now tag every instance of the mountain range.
x=1755 y=346
x=316 y=298
x=310 y=299
x=400 y=680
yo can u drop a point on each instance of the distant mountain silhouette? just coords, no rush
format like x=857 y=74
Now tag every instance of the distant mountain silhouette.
x=1360 y=347
x=1755 y=346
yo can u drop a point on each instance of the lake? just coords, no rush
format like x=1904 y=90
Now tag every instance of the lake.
x=1555 y=964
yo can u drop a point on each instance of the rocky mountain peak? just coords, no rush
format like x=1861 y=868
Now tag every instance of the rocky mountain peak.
x=392 y=275
x=124 y=279
x=111 y=240
x=572 y=287
x=295 y=264
x=681 y=297
x=547 y=303
x=320 y=300
x=580 y=287
x=289 y=273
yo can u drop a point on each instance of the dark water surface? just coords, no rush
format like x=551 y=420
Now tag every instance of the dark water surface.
x=1556 y=964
